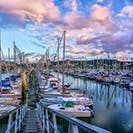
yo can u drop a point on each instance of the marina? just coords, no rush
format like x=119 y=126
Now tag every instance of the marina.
x=81 y=93
x=66 y=66
x=97 y=99
x=113 y=101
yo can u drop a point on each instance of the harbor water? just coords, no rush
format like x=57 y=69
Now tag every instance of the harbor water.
x=113 y=105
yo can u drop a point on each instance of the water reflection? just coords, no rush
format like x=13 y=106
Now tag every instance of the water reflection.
x=113 y=106
x=109 y=96
x=132 y=102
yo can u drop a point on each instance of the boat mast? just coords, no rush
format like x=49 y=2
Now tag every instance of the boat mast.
x=63 y=65
x=0 y=60
x=9 y=58
x=58 y=57
x=14 y=52
x=47 y=61
x=108 y=58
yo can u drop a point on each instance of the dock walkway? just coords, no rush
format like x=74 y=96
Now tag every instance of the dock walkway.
x=31 y=122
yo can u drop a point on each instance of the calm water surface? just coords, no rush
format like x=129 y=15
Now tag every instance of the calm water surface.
x=113 y=105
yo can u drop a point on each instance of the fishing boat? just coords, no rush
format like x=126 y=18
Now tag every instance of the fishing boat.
x=108 y=78
x=77 y=100
x=117 y=79
x=71 y=109
x=124 y=81
x=54 y=82
x=100 y=79
x=10 y=89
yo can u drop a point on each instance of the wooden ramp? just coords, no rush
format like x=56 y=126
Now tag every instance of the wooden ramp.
x=31 y=123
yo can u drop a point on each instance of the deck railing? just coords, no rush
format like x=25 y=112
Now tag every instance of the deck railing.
x=49 y=122
x=15 y=118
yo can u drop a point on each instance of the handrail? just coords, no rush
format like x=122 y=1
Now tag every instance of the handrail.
x=73 y=122
x=15 y=124
x=11 y=111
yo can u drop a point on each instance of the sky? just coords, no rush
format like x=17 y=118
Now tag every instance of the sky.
x=93 y=27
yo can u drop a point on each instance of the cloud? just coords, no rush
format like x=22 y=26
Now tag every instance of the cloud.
x=121 y=56
x=117 y=42
x=96 y=18
x=74 y=18
x=100 y=30
x=127 y=11
x=100 y=13
x=39 y=45
x=93 y=52
x=96 y=29
x=100 y=1
x=84 y=39
x=71 y=4
x=31 y=11
x=29 y=54
x=108 y=42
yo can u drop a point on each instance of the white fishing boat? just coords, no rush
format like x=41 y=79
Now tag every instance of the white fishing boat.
x=117 y=79
x=71 y=109
x=77 y=100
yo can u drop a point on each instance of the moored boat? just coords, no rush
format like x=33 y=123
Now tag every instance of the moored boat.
x=73 y=110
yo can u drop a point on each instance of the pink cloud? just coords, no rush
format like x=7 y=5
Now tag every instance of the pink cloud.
x=100 y=13
x=36 y=11
x=121 y=56
x=74 y=19
x=72 y=4
x=127 y=10
x=86 y=51
x=99 y=19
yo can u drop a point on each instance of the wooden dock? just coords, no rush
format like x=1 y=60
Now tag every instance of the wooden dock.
x=31 y=122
